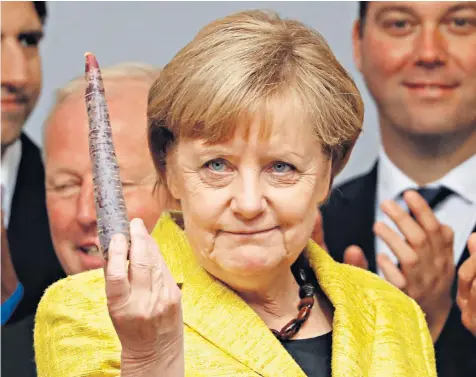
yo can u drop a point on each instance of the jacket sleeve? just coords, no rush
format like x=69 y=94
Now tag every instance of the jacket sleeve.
x=74 y=336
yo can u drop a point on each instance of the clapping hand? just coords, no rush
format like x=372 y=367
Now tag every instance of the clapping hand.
x=466 y=296
x=425 y=254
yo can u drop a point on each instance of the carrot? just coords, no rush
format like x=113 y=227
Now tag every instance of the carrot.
x=111 y=210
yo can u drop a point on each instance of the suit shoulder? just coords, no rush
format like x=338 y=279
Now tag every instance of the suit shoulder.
x=351 y=182
x=30 y=150
x=351 y=185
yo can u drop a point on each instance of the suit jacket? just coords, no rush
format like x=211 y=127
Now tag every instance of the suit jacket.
x=348 y=218
x=377 y=330
x=33 y=256
x=18 y=357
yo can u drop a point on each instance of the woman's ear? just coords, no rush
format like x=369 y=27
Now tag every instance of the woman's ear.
x=164 y=196
x=172 y=184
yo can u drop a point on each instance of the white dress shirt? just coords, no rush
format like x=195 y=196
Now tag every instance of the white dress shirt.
x=10 y=164
x=458 y=210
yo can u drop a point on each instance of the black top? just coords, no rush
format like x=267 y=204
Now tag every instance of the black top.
x=313 y=355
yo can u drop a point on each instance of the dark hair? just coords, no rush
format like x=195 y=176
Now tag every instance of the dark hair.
x=363 y=8
x=40 y=7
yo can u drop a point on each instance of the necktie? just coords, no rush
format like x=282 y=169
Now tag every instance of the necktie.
x=434 y=195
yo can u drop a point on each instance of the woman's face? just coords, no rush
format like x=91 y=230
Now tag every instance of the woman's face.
x=250 y=204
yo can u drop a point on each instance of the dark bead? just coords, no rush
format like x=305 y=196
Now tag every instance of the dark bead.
x=306 y=302
x=304 y=314
x=307 y=290
x=300 y=276
x=276 y=333
x=290 y=329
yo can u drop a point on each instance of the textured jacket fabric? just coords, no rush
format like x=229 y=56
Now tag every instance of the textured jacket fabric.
x=377 y=330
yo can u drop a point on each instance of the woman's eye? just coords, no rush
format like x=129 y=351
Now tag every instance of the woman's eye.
x=217 y=165
x=282 y=167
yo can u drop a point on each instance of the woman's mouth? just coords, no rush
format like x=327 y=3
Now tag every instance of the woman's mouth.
x=250 y=232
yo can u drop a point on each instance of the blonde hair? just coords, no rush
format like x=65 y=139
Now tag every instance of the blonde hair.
x=236 y=67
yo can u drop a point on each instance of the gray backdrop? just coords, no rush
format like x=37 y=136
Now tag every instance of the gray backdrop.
x=153 y=32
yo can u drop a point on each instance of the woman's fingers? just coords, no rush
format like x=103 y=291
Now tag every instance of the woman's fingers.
x=144 y=301
x=116 y=270
x=142 y=260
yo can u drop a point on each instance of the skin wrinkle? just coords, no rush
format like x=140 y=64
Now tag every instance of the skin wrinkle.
x=248 y=176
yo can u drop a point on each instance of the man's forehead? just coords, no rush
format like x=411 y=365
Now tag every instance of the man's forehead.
x=18 y=17
x=127 y=110
x=421 y=7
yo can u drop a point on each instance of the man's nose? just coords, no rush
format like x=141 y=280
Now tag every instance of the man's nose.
x=14 y=64
x=86 y=210
x=431 y=48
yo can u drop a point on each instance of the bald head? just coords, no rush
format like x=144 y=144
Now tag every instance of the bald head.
x=70 y=200
x=127 y=104
x=122 y=80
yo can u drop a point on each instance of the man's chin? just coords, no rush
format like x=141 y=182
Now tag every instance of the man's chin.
x=10 y=132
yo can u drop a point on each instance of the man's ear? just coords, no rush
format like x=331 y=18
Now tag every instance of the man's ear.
x=357 y=44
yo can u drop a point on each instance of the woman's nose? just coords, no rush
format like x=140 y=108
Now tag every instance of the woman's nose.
x=248 y=199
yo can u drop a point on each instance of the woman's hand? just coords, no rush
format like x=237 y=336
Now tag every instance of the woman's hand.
x=144 y=304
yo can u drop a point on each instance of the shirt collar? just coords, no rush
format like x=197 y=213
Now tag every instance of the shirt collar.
x=10 y=164
x=392 y=181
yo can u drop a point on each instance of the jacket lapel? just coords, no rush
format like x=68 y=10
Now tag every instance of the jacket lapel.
x=353 y=333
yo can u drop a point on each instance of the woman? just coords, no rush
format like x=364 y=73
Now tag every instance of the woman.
x=248 y=125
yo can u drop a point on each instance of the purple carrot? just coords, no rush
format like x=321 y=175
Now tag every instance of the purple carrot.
x=110 y=206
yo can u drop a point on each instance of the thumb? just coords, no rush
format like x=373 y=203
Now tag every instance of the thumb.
x=318 y=232
x=472 y=244
x=355 y=256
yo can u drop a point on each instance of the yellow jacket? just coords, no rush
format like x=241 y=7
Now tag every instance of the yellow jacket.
x=377 y=330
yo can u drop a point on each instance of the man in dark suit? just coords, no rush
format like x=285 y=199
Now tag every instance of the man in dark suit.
x=30 y=262
x=418 y=60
